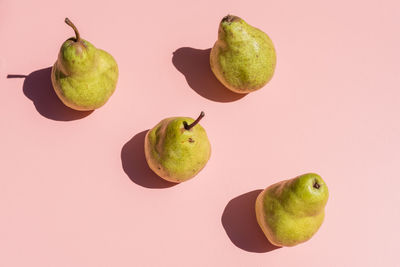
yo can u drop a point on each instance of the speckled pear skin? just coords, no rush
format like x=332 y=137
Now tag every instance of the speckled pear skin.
x=174 y=153
x=243 y=58
x=83 y=76
x=290 y=212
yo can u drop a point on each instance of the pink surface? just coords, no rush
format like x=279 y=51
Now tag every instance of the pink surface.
x=75 y=189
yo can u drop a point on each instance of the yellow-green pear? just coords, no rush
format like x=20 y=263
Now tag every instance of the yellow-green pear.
x=83 y=76
x=290 y=212
x=177 y=148
x=243 y=58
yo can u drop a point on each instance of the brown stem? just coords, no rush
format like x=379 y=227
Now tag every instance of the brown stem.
x=316 y=185
x=69 y=23
x=230 y=18
x=188 y=127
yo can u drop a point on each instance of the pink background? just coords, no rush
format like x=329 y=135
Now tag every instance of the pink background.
x=75 y=189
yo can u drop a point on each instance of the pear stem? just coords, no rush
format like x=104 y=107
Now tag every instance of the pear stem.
x=230 y=18
x=69 y=23
x=188 y=127
x=316 y=185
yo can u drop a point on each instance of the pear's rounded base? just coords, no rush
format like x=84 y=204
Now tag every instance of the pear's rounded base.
x=61 y=97
x=154 y=166
x=220 y=77
x=241 y=91
x=159 y=170
x=70 y=102
x=260 y=215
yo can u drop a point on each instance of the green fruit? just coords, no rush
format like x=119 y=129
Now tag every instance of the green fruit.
x=83 y=76
x=290 y=212
x=243 y=58
x=177 y=148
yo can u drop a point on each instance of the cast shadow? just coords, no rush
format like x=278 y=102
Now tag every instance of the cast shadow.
x=240 y=223
x=38 y=88
x=194 y=64
x=135 y=165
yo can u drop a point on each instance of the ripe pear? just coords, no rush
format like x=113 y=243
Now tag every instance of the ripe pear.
x=290 y=212
x=83 y=76
x=243 y=58
x=177 y=148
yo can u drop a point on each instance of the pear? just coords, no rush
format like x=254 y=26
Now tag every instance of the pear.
x=243 y=58
x=177 y=148
x=290 y=212
x=83 y=76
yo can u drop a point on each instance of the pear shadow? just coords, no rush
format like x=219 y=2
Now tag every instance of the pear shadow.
x=135 y=165
x=240 y=223
x=194 y=64
x=38 y=88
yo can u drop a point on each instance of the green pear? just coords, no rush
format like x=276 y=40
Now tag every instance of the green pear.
x=243 y=58
x=290 y=212
x=83 y=76
x=177 y=148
